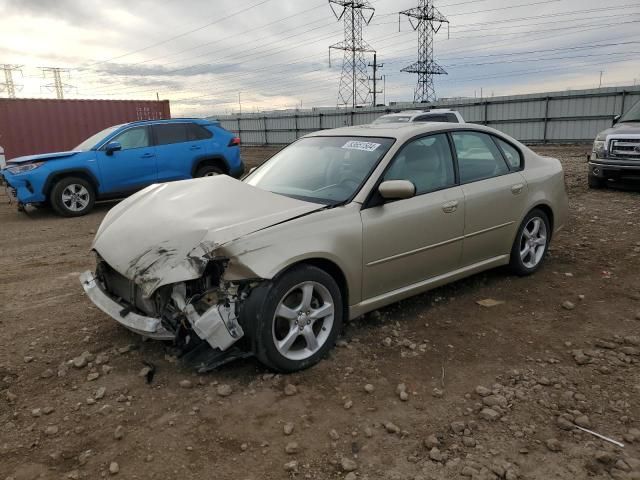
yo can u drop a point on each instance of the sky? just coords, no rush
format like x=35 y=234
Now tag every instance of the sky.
x=214 y=57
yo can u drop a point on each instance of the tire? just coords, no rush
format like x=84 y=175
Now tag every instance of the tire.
x=208 y=171
x=281 y=343
x=595 y=182
x=63 y=201
x=530 y=238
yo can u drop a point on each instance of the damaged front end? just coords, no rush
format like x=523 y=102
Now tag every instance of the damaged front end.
x=199 y=316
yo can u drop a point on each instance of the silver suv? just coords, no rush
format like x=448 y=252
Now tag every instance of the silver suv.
x=616 y=151
x=434 y=115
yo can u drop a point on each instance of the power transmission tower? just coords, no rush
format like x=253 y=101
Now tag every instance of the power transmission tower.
x=9 y=85
x=354 y=83
x=375 y=78
x=58 y=86
x=427 y=20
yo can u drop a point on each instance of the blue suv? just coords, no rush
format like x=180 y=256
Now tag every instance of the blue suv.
x=121 y=160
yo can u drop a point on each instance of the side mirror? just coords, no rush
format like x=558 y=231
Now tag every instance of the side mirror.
x=112 y=147
x=615 y=119
x=397 y=189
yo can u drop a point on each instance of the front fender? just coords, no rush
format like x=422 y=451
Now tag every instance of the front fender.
x=334 y=235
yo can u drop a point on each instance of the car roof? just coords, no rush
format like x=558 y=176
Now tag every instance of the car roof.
x=400 y=131
x=199 y=121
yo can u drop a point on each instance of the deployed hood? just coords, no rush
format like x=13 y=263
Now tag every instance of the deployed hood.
x=624 y=128
x=167 y=232
x=42 y=157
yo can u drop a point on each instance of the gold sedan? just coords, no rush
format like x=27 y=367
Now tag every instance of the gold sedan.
x=340 y=223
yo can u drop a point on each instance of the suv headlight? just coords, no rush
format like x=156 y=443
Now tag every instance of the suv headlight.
x=24 y=168
x=599 y=148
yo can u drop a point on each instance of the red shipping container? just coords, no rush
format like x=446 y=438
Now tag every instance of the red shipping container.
x=30 y=125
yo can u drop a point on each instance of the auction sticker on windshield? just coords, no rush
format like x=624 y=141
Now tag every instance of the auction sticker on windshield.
x=364 y=146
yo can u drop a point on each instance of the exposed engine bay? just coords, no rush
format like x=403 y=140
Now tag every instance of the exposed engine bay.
x=199 y=316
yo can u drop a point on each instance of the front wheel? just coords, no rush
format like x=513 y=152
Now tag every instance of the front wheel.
x=531 y=243
x=72 y=197
x=595 y=182
x=294 y=320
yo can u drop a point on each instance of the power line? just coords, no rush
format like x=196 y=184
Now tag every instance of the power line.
x=9 y=84
x=427 y=20
x=354 y=81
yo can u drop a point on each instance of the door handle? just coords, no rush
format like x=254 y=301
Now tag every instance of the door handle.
x=195 y=147
x=450 y=207
x=147 y=155
x=517 y=188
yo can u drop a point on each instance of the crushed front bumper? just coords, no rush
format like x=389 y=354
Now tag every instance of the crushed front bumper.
x=146 y=326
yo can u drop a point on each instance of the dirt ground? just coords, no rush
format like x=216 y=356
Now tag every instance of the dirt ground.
x=488 y=392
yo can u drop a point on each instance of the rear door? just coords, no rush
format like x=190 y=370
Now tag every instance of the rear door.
x=495 y=196
x=179 y=145
x=131 y=168
x=408 y=241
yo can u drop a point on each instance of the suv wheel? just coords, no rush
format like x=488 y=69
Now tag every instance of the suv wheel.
x=531 y=244
x=72 y=197
x=595 y=182
x=293 y=321
x=208 y=171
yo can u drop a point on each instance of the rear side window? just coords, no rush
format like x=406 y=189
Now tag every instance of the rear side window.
x=511 y=153
x=169 y=133
x=196 y=132
x=478 y=156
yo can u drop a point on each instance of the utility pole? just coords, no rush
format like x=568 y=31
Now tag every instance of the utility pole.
x=354 y=87
x=375 y=77
x=9 y=85
x=601 y=72
x=240 y=102
x=427 y=20
x=58 y=86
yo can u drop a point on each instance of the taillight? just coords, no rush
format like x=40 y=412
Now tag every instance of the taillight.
x=234 y=142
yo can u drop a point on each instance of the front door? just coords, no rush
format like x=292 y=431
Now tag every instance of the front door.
x=133 y=167
x=495 y=196
x=408 y=241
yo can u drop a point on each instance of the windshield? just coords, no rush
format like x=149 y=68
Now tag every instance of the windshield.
x=93 y=140
x=327 y=170
x=393 y=119
x=632 y=115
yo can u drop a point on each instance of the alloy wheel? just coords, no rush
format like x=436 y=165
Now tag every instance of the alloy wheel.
x=303 y=320
x=75 y=197
x=533 y=242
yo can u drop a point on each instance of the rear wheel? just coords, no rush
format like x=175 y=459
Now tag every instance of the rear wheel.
x=72 y=197
x=208 y=171
x=531 y=243
x=595 y=182
x=294 y=320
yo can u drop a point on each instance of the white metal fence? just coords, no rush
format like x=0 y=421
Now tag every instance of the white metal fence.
x=553 y=117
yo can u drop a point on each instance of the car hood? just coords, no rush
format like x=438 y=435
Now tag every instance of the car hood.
x=43 y=157
x=624 y=128
x=168 y=232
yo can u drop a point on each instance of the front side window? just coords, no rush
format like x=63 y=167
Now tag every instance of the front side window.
x=327 y=170
x=426 y=162
x=511 y=154
x=478 y=156
x=169 y=133
x=134 y=138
